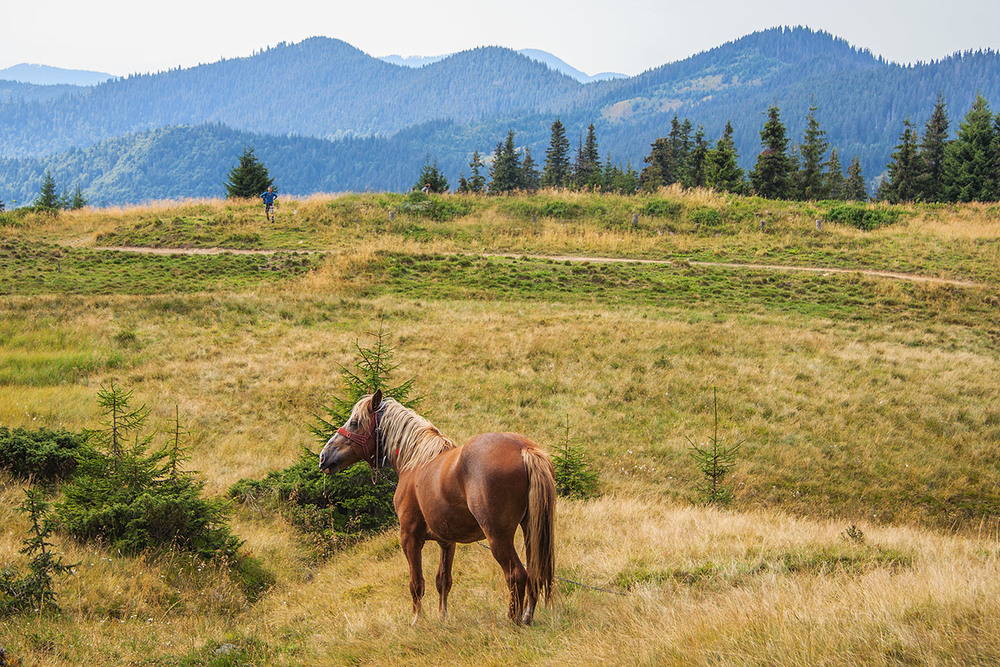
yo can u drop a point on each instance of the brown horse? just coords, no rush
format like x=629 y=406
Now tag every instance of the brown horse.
x=449 y=494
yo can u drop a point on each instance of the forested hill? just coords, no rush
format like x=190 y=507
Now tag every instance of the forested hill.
x=320 y=87
x=326 y=89
x=192 y=162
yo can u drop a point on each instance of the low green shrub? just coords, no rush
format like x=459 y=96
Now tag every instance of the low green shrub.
x=704 y=216
x=33 y=592
x=42 y=455
x=575 y=475
x=334 y=509
x=435 y=207
x=662 y=208
x=560 y=209
x=862 y=217
x=129 y=500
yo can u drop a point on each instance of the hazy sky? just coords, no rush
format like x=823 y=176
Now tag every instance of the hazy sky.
x=629 y=36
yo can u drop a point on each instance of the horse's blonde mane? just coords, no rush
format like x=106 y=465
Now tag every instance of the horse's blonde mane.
x=409 y=439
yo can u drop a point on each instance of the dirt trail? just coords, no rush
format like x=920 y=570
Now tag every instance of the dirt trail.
x=892 y=275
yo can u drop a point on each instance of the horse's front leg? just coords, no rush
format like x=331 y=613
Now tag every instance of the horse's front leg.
x=412 y=542
x=443 y=579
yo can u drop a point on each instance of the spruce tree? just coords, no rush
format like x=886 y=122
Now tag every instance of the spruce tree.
x=249 y=178
x=904 y=169
x=557 y=168
x=48 y=198
x=855 y=188
x=971 y=160
x=772 y=174
x=723 y=171
x=505 y=173
x=932 y=154
x=431 y=177
x=698 y=160
x=530 y=178
x=588 y=172
x=811 y=181
x=477 y=182
x=834 y=176
x=684 y=148
x=78 y=201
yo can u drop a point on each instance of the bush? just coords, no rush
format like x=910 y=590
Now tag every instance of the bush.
x=34 y=591
x=332 y=508
x=435 y=207
x=43 y=455
x=560 y=209
x=704 y=216
x=575 y=476
x=662 y=208
x=133 y=501
x=862 y=217
x=344 y=506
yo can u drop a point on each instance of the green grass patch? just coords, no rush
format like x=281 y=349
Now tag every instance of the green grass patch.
x=28 y=269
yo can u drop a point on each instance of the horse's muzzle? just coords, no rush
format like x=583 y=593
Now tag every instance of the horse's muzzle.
x=329 y=461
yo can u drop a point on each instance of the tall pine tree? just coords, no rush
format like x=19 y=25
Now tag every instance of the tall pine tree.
x=834 y=176
x=249 y=178
x=722 y=170
x=811 y=181
x=971 y=160
x=48 y=197
x=588 y=164
x=557 y=168
x=505 y=172
x=772 y=174
x=932 y=154
x=531 y=180
x=854 y=187
x=904 y=170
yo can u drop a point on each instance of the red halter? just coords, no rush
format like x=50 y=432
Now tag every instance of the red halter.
x=367 y=443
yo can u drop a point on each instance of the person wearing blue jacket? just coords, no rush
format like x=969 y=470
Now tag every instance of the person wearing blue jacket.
x=269 y=198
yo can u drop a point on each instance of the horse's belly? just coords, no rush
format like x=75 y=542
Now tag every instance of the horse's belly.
x=450 y=523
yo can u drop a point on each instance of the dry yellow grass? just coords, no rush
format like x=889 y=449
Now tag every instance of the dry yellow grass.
x=844 y=419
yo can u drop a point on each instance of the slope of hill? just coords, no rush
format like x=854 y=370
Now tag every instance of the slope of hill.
x=194 y=161
x=15 y=91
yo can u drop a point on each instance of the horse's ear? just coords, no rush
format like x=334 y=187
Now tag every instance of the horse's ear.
x=377 y=399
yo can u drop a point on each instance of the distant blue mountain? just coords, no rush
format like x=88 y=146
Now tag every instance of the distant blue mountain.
x=560 y=65
x=412 y=61
x=544 y=57
x=45 y=75
x=352 y=106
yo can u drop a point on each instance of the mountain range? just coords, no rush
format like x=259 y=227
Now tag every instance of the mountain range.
x=325 y=116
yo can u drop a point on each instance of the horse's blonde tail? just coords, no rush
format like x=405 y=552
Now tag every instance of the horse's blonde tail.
x=539 y=523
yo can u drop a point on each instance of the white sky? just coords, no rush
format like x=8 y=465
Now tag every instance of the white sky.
x=629 y=36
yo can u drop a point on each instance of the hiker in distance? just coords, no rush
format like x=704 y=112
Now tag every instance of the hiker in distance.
x=269 y=198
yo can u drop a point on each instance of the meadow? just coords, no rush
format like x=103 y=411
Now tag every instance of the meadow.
x=866 y=497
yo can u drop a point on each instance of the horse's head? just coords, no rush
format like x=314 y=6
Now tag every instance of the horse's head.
x=356 y=440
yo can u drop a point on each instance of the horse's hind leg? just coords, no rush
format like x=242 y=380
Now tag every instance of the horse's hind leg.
x=443 y=579
x=514 y=573
x=531 y=594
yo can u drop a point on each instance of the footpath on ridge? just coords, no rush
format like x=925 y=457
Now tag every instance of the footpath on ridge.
x=892 y=275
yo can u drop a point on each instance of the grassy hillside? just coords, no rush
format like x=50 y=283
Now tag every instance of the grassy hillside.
x=864 y=401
